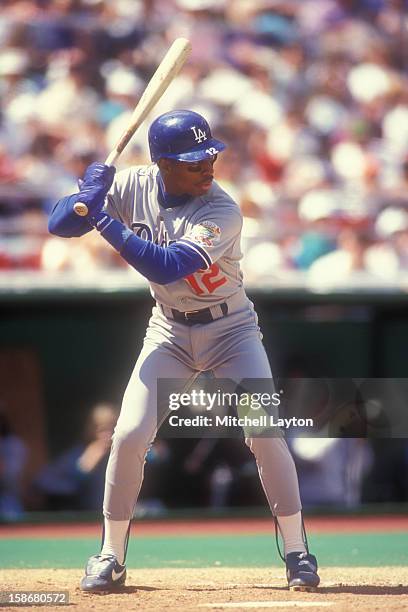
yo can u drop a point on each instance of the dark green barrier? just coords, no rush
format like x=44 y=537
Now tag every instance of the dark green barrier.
x=86 y=343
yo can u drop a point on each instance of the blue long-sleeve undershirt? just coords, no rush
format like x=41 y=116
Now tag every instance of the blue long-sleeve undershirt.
x=161 y=265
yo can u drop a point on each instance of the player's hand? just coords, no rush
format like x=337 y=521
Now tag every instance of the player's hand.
x=97 y=181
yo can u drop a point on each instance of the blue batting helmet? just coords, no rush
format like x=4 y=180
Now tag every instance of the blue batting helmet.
x=182 y=135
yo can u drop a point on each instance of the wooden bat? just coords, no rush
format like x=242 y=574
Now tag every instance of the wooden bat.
x=169 y=67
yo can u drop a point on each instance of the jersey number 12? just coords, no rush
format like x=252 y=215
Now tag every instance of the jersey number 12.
x=206 y=281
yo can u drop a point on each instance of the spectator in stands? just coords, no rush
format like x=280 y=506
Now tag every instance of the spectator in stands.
x=75 y=479
x=346 y=264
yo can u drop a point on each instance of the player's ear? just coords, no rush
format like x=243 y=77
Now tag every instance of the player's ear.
x=161 y=164
x=164 y=165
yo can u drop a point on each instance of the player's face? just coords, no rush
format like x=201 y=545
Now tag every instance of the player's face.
x=194 y=178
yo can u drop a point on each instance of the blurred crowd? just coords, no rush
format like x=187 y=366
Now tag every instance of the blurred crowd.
x=310 y=95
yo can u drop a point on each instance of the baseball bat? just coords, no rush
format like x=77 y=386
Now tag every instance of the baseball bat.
x=169 y=67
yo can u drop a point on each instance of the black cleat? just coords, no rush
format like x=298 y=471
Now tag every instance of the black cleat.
x=103 y=574
x=301 y=571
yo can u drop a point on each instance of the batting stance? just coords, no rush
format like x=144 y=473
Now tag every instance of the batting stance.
x=174 y=224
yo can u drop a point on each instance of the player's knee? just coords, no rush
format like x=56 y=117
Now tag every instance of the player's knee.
x=131 y=440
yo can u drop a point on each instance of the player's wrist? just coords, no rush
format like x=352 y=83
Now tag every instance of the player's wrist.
x=99 y=220
x=112 y=230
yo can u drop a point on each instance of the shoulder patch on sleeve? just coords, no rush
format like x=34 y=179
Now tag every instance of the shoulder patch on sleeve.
x=206 y=233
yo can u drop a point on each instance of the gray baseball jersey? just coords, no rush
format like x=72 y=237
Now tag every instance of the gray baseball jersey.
x=210 y=225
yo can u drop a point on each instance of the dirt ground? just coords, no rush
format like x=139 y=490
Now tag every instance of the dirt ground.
x=185 y=590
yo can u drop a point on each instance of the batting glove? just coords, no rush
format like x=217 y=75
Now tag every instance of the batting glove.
x=97 y=181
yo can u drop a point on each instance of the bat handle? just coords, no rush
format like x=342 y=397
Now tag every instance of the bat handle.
x=80 y=208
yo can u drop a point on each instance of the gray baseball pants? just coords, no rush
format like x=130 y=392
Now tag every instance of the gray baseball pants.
x=231 y=347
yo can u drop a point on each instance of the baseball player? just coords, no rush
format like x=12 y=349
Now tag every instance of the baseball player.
x=177 y=227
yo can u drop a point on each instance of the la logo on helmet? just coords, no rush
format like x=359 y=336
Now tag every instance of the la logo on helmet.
x=198 y=135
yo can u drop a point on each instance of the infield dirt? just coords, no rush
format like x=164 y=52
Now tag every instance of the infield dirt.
x=221 y=588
